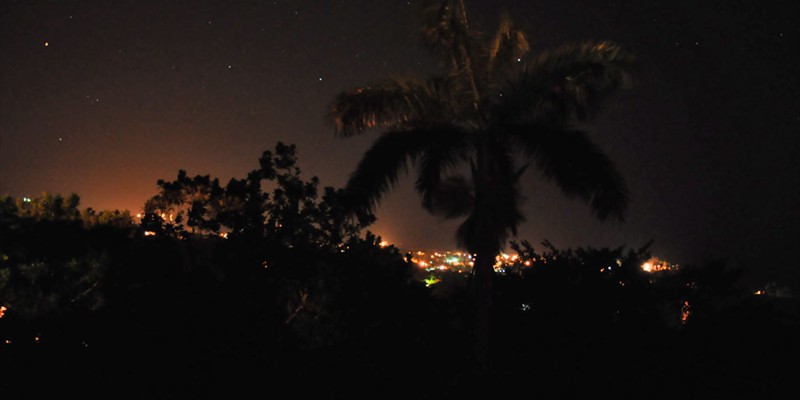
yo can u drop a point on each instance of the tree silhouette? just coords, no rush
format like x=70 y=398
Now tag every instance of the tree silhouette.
x=273 y=202
x=494 y=109
x=195 y=202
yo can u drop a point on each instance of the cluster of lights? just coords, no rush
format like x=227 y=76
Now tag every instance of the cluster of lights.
x=443 y=261
x=460 y=261
x=686 y=311
x=163 y=216
x=503 y=259
x=656 y=265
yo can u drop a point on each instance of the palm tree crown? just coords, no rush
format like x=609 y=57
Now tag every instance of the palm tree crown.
x=496 y=109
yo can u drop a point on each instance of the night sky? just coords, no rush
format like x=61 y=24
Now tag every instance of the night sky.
x=103 y=98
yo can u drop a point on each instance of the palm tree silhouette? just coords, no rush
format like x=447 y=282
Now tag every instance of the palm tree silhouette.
x=494 y=110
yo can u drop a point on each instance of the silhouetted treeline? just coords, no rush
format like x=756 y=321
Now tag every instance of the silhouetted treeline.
x=590 y=321
x=263 y=287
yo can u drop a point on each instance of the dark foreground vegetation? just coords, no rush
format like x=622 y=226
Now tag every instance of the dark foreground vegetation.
x=294 y=302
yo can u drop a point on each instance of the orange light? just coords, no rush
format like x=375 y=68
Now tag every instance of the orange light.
x=654 y=265
x=686 y=311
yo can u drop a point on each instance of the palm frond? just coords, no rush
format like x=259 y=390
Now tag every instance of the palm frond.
x=453 y=197
x=568 y=83
x=399 y=101
x=377 y=105
x=578 y=166
x=381 y=165
x=508 y=45
x=434 y=101
x=448 y=147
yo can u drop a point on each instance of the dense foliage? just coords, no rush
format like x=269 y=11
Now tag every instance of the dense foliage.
x=297 y=298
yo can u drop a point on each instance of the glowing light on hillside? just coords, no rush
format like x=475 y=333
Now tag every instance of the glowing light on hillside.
x=654 y=265
x=431 y=280
x=647 y=266
x=686 y=311
x=3 y=310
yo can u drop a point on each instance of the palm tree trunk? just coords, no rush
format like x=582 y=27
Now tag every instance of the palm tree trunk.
x=483 y=271
x=485 y=249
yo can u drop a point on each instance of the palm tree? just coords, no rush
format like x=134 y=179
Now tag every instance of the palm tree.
x=473 y=130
